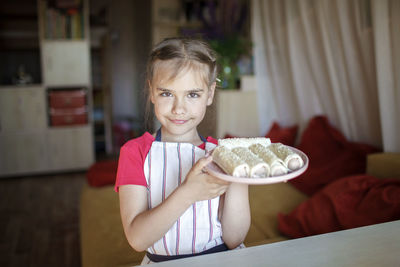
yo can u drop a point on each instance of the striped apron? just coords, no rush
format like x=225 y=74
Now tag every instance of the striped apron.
x=198 y=229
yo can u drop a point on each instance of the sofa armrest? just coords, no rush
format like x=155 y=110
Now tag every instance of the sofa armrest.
x=266 y=201
x=384 y=165
x=103 y=242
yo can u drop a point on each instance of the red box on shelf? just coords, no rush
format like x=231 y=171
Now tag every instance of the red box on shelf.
x=67 y=117
x=67 y=98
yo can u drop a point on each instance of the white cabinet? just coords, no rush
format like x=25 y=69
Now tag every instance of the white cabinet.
x=28 y=145
x=22 y=108
x=23 y=122
x=23 y=153
x=65 y=62
x=70 y=148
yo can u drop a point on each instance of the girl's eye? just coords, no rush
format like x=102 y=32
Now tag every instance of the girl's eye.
x=193 y=95
x=166 y=94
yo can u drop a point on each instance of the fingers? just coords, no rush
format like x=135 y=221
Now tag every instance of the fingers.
x=206 y=160
x=223 y=189
x=216 y=180
x=202 y=163
x=200 y=166
x=205 y=185
x=208 y=153
x=217 y=191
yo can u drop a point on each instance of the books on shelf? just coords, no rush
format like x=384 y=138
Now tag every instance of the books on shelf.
x=63 y=20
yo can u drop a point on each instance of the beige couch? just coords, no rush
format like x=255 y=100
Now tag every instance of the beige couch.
x=103 y=242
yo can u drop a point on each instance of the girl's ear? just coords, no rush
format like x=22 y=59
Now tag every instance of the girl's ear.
x=211 y=93
x=151 y=92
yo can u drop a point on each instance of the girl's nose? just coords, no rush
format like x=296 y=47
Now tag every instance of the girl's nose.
x=178 y=107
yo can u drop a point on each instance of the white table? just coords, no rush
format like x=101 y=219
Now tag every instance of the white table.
x=375 y=245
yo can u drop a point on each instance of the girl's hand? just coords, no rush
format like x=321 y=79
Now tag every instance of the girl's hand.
x=201 y=185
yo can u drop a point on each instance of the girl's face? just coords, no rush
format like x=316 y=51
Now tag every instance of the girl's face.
x=180 y=104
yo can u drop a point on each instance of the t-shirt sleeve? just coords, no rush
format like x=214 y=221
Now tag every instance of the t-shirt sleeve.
x=130 y=164
x=212 y=140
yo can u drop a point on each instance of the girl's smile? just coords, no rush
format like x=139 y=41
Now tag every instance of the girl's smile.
x=179 y=121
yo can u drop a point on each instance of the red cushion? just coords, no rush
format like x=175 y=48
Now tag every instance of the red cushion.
x=284 y=135
x=320 y=138
x=229 y=136
x=102 y=173
x=331 y=156
x=349 y=202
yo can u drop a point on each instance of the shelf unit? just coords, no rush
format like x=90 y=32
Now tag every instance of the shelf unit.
x=29 y=142
x=65 y=54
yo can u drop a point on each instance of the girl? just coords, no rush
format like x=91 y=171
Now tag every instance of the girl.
x=169 y=204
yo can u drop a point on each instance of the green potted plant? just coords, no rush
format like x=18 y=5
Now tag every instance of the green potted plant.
x=229 y=50
x=224 y=26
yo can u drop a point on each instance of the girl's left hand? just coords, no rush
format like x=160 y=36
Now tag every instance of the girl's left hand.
x=201 y=185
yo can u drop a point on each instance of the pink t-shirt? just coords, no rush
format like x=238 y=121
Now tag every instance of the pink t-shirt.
x=132 y=157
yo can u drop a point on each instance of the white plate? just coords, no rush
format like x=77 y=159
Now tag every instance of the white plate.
x=216 y=171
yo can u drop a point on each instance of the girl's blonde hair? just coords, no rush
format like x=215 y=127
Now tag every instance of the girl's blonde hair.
x=179 y=54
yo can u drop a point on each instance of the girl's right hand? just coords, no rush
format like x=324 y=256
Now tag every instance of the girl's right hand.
x=201 y=185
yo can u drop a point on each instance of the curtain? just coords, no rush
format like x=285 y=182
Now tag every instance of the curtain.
x=321 y=57
x=386 y=27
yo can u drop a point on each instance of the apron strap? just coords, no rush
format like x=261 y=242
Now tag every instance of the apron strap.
x=158 y=136
x=202 y=138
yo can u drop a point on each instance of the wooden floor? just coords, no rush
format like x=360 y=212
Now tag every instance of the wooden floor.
x=39 y=220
